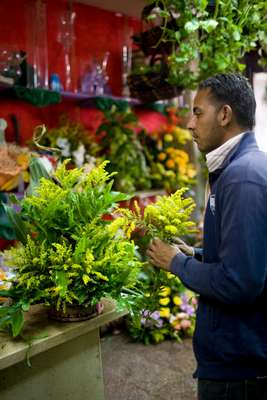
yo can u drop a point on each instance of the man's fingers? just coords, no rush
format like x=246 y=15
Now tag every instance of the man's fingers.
x=179 y=241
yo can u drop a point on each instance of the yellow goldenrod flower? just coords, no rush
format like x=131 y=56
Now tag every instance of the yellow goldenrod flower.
x=164 y=301
x=164 y=312
x=171 y=229
x=177 y=300
x=170 y=275
x=165 y=291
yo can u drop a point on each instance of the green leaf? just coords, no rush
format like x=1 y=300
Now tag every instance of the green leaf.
x=236 y=35
x=192 y=26
x=17 y=321
x=25 y=305
x=177 y=36
x=209 y=25
x=61 y=280
x=151 y=17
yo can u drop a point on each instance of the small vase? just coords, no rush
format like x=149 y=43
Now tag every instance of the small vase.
x=72 y=313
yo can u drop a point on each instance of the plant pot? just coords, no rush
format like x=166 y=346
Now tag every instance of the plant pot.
x=151 y=87
x=72 y=313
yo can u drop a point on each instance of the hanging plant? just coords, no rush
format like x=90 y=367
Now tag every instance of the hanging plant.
x=207 y=37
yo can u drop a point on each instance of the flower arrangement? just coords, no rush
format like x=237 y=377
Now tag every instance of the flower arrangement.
x=69 y=253
x=164 y=308
x=165 y=151
x=120 y=144
x=74 y=141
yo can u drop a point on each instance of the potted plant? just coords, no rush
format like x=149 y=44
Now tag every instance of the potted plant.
x=70 y=254
x=205 y=37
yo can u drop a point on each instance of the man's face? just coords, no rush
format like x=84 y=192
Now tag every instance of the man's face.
x=204 y=123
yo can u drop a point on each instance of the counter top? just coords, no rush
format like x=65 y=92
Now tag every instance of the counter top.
x=50 y=333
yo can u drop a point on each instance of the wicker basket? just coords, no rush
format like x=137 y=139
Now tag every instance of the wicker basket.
x=153 y=86
x=72 y=313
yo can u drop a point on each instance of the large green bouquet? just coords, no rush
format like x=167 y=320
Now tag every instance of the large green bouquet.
x=69 y=254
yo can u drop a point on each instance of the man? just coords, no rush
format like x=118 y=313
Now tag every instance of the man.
x=230 y=340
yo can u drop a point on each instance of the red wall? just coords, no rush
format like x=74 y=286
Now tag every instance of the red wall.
x=96 y=31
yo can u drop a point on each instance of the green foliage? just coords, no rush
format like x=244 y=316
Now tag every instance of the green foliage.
x=120 y=144
x=71 y=255
x=214 y=37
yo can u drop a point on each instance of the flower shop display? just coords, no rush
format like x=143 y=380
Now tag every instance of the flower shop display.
x=167 y=151
x=119 y=143
x=74 y=141
x=197 y=39
x=70 y=254
x=164 y=308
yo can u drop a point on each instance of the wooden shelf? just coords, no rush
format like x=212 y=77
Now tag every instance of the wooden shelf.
x=84 y=99
x=126 y=7
x=88 y=100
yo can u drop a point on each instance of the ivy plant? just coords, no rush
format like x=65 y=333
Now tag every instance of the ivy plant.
x=209 y=37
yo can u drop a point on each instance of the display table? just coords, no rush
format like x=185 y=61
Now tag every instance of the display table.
x=65 y=365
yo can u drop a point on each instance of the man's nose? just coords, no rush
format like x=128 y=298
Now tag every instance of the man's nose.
x=191 y=123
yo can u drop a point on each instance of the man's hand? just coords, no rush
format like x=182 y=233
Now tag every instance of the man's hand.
x=185 y=248
x=161 y=254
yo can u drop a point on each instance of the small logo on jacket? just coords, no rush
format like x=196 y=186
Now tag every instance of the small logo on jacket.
x=212 y=203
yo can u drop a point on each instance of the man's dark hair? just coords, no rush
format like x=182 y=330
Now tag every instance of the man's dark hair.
x=233 y=89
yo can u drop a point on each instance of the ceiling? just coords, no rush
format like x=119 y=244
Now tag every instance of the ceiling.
x=128 y=7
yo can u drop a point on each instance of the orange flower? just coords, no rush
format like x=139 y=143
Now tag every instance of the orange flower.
x=162 y=156
x=170 y=164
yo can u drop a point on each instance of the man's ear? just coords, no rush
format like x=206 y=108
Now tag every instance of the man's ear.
x=225 y=115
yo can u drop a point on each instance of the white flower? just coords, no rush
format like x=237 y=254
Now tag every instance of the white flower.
x=64 y=145
x=79 y=155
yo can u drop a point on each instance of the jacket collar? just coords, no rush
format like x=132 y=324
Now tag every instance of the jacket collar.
x=246 y=144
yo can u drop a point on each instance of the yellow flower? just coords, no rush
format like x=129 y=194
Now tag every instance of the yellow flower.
x=170 y=150
x=162 y=156
x=168 y=138
x=165 y=312
x=164 y=301
x=177 y=300
x=165 y=291
x=171 y=229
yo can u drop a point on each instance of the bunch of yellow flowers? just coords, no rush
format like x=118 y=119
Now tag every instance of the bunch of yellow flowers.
x=169 y=159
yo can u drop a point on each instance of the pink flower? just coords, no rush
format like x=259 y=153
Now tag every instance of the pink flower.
x=185 y=324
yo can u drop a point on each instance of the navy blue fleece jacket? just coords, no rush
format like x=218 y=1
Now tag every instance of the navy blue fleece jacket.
x=230 y=340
